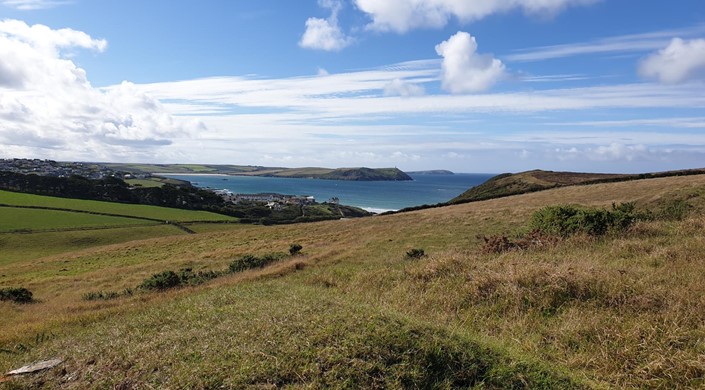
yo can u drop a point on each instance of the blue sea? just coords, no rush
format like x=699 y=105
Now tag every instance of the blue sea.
x=375 y=196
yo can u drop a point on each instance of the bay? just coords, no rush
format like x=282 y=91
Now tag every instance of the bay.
x=376 y=196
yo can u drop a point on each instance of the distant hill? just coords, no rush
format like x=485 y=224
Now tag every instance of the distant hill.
x=537 y=180
x=355 y=174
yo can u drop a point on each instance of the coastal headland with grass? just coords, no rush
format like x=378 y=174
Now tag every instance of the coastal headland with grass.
x=573 y=286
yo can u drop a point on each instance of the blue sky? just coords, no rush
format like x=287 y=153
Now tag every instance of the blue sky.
x=471 y=86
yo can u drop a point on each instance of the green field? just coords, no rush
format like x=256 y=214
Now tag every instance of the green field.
x=29 y=247
x=19 y=219
x=352 y=310
x=132 y=210
x=146 y=183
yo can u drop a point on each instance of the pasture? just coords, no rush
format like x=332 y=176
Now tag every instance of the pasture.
x=352 y=310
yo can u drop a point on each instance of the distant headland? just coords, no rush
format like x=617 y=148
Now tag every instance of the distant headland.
x=355 y=174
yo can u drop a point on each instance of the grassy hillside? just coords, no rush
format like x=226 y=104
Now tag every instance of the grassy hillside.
x=530 y=181
x=537 y=180
x=131 y=210
x=353 y=310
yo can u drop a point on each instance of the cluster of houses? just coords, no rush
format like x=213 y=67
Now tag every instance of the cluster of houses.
x=55 y=169
x=271 y=200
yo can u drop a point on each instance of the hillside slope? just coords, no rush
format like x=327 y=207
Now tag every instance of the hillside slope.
x=519 y=183
x=537 y=180
x=353 y=310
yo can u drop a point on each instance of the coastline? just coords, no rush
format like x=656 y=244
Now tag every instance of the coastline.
x=191 y=174
x=374 y=196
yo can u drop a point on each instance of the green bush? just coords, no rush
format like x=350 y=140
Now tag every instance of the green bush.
x=188 y=277
x=161 y=281
x=295 y=249
x=15 y=294
x=415 y=253
x=171 y=279
x=251 y=261
x=107 y=295
x=100 y=295
x=565 y=221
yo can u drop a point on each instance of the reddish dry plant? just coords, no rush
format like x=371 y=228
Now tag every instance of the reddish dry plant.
x=532 y=240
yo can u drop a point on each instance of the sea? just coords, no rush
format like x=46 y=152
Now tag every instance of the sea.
x=374 y=196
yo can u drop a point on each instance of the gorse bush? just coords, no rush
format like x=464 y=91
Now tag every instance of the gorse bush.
x=161 y=281
x=295 y=249
x=100 y=295
x=565 y=221
x=246 y=262
x=107 y=295
x=15 y=294
x=415 y=253
x=171 y=279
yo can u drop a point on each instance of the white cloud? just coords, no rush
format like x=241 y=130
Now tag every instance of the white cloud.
x=673 y=122
x=325 y=34
x=48 y=107
x=632 y=43
x=463 y=69
x=28 y=5
x=403 y=15
x=48 y=41
x=399 y=87
x=679 y=62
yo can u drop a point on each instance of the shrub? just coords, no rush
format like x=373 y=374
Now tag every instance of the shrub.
x=100 y=295
x=15 y=294
x=565 y=221
x=295 y=249
x=415 y=253
x=106 y=295
x=497 y=244
x=501 y=244
x=188 y=277
x=161 y=281
x=246 y=262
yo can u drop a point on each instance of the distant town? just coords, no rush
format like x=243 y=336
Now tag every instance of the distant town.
x=58 y=169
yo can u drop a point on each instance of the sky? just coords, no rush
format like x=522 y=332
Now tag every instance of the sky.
x=467 y=85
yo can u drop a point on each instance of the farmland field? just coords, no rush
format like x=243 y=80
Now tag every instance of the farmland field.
x=26 y=220
x=27 y=247
x=133 y=210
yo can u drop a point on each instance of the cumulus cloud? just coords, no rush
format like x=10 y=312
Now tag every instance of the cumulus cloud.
x=681 y=61
x=463 y=69
x=48 y=106
x=325 y=34
x=399 y=87
x=403 y=15
x=28 y=5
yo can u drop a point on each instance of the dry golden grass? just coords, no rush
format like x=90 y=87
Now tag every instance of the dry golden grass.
x=622 y=311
